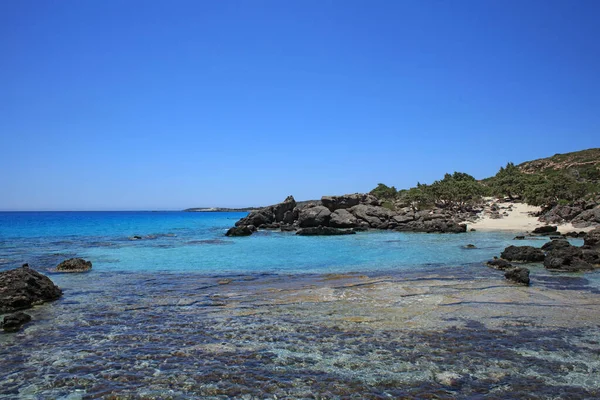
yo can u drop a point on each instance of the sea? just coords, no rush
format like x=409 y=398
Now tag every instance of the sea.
x=174 y=309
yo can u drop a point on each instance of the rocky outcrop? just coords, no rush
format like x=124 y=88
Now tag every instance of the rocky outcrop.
x=587 y=218
x=74 y=265
x=357 y=211
x=245 y=230
x=592 y=239
x=525 y=254
x=571 y=259
x=349 y=200
x=518 y=275
x=342 y=218
x=555 y=244
x=324 y=231
x=14 y=322
x=22 y=288
x=314 y=216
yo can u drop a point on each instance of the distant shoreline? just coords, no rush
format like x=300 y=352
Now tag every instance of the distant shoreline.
x=220 y=209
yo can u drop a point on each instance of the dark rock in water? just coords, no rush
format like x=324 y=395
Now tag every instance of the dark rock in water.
x=545 y=230
x=525 y=254
x=519 y=238
x=74 y=265
x=555 y=244
x=518 y=275
x=13 y=322
x=575 y=234
x=469 y=246
x=241 y=231
x=314 y=216
x=473 y=230
x=499 y=263
x=342 y=219
x=324 y=231
x=349 y=200
x=258 y=218
x=135 y=237
x=23 y=288
x=592 y=239
x=571 y=259
x=556 y=237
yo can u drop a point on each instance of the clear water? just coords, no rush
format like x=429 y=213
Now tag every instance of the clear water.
x=195 y=242
x=186 y=312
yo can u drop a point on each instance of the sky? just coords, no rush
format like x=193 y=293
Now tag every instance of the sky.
x=164 y=105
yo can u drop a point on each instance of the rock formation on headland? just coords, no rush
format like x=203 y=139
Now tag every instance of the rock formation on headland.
x=351 y=211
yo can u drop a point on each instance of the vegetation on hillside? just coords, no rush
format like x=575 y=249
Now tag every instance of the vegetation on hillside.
x=560 y=179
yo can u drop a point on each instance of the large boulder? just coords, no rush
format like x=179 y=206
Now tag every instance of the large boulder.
x=518 y=275
x=570 y=259
x=587 y=218
x=555 y=244
x=257 y=218
x=526 y=254
x=285 y=209
x=74 y=265
x=592 y=239
x=561 y=213
x=22 y=288
x=13 y=322
x=349 y=200
x=545 y=230
x=342 y=219
x=245 y=230
x=324 y=231
x=314 y=216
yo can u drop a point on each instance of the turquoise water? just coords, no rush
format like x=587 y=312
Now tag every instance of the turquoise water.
x=195 y=242
x=187 y=313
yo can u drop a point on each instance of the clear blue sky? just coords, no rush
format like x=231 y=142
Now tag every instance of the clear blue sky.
x=109 y=104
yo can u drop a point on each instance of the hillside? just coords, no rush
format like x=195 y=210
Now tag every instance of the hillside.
x=583 y=165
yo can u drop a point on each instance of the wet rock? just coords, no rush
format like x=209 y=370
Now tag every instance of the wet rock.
x=22 y=288
x=570 y=259
x=555 y=244
x=314 y=216
x=500 y=264
x=324 y=231
x=135 y=237
x=473 y=230
x=545 y=230
x=342 y=219
x=240 y=231
x=519 y=238
x=469 y=246
x=288 y=228
x=74 y=265
x=526 y=254
x=518 y=275
x=14 y=322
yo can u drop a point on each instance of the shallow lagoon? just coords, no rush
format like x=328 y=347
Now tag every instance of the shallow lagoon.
x=188 y=313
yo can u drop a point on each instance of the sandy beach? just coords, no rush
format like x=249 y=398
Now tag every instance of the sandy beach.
x=520 y=218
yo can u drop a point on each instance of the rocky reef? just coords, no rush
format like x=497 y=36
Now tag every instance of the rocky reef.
x=347 y=213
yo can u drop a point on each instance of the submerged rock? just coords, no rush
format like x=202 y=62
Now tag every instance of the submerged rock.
x=518 y=275
x=499 y=263
x=324 y=231
x=469 y=246
x=526 y=254
x=74 y=265
x=13 y=322
x=22 y=288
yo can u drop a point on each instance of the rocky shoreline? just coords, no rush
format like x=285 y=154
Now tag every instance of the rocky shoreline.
x=348 y=214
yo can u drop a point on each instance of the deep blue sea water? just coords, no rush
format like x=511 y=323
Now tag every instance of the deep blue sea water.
x=195 y=242
x=184 y=312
